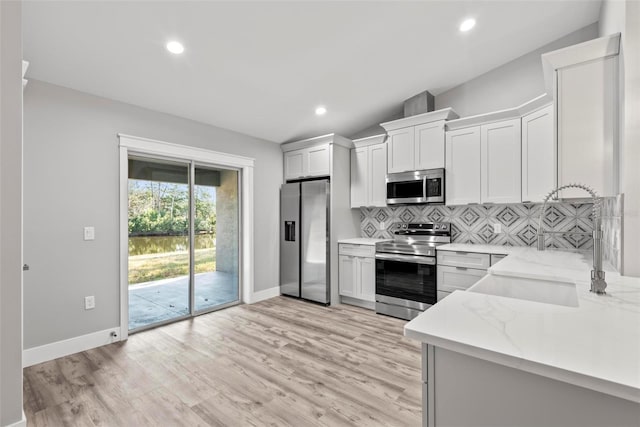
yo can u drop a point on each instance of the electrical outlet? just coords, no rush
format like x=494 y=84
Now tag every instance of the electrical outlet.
x=381 y=225
x=497 y=228
x=89 y=302
x=89 y=233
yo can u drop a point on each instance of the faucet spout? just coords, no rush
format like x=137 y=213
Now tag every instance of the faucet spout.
x=598 y=283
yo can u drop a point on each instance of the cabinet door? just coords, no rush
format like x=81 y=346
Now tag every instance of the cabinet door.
x=401 y=150
x=429 y=145
x=500 y=167
x=366 y=279
x=318 y=160
x=538 y=155
x=347 y=275
x=377 y=175
x=294 y=162
x=588 y=126
x=462 y=169
x=359 y=177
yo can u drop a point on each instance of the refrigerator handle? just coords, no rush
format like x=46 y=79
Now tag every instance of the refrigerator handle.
x=290 y=231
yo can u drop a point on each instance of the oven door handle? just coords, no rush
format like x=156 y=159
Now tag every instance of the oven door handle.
x=414 y=259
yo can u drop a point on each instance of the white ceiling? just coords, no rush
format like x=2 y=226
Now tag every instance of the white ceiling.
x=261 y=68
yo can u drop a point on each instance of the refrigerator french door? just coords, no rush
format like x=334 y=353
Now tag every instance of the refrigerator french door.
x=304 y=235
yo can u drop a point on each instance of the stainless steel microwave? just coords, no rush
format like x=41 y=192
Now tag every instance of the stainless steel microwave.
x=425 y=186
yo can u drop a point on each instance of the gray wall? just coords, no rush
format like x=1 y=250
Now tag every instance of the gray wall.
x=71 y=180
x=509 y=85
x=10 y=213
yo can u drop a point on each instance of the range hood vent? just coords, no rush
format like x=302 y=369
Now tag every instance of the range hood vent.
x=424 y=102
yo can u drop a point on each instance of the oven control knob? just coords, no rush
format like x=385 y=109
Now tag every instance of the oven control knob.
x=444 y=227
x=437 y=227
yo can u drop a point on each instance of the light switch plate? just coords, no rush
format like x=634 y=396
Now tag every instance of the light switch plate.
x=89 y=233
x=89 y=302
x=497 y=228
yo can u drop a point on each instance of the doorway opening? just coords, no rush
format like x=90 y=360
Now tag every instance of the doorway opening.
x=183 y=240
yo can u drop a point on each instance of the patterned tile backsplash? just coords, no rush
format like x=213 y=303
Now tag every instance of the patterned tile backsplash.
x=612 y=227
x=474 y=224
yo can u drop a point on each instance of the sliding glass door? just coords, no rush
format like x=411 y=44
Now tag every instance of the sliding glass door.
x=183 y=240
x=216 y=250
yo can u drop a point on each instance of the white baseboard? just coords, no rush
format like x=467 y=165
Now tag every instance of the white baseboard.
x=263 y=295
x=21 y=423
x=44 y=353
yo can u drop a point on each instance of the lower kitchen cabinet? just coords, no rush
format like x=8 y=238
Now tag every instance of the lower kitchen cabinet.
x=357 y=272
x=461 y=270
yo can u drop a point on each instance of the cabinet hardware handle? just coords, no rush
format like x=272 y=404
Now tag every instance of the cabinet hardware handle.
x=462 y=253
x=461 y=268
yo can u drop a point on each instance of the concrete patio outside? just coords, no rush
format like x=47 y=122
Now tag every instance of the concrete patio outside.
x=161 y=300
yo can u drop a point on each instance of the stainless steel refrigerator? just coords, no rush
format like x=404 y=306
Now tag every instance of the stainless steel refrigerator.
x=304 y=240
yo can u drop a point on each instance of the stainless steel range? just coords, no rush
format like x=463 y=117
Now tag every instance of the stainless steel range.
x=406 y=269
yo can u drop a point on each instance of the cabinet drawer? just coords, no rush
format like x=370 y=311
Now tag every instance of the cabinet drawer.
x=463 y=259
x=368 y=251
x=457 y=278
x=497 y=258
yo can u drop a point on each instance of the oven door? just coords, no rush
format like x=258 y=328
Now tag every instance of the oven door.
x=406 y=277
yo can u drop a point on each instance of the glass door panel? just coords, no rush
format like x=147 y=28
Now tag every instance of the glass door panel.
x=159 y=243
x=216 y=242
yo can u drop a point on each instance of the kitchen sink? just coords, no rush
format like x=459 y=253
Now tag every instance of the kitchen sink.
x=548 y=292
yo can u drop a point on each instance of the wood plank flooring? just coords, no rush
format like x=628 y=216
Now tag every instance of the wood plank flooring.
x=278 y=362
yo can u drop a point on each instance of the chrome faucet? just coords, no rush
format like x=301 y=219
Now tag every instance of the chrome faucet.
x=598 y=284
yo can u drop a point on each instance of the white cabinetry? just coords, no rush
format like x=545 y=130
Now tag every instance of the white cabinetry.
x=585 y=77
x=429 y=145
x=347 y=274
x=500 y=171
x=368 y=172
x=307 y=162
x=417 y=142
x=401 y=150
x=462 y=169
x=538 y=155
x=460 y=270
x=483 y=164
x=357 y=272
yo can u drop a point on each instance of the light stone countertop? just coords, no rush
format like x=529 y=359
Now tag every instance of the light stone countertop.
x=362 y=241
x=481 y=249
x=595 y=345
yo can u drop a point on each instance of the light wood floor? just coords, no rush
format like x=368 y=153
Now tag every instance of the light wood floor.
x=279 y=362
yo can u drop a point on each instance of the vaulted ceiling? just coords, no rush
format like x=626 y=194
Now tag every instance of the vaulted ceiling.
x=262 y=67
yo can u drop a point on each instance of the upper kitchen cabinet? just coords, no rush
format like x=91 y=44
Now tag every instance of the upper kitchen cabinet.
x=485 y=157
x=584 y=81
x=417 y=142
x=307 y=162
x=462 y=170
x=500 y=171
x=368 y=172
x=538 y=155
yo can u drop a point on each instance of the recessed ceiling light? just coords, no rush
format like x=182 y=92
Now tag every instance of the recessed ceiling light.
x=175 y=47
x=321 y=110
x=467 y=24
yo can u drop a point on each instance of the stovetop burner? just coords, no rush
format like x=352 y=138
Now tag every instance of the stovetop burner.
x=417 y=238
